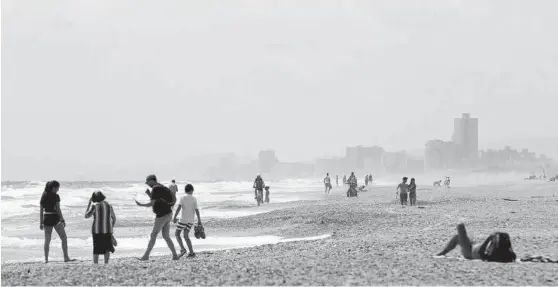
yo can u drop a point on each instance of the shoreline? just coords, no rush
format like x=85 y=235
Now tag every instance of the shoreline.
x=372 y=242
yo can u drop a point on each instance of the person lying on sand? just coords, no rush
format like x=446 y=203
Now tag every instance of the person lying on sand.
x=189 y=206
x=497 y=247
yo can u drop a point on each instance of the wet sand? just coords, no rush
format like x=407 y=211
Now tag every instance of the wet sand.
x=373 y=242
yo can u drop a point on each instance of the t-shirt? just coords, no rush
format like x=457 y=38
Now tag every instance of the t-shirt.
x=189 y=205
x=163 y=200
x=49 y=200
x=173 y=188
x=102 y=213
x=327 y=180
x=403 y=187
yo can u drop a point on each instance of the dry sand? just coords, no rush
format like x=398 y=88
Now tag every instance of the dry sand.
x=373 y=242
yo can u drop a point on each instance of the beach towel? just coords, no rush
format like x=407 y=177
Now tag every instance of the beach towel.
x=538 y=259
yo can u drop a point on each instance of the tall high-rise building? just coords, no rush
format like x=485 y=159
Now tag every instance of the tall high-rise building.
x=466 y=137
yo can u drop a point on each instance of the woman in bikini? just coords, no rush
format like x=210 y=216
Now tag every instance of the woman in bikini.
x=51 y=218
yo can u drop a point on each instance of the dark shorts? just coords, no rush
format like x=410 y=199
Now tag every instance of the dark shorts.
x=102 y=243
x=403 y=196
x=51 y=219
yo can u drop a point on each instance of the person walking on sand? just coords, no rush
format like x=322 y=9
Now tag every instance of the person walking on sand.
x=413 y=192
x=189 y=206
x=50 y=216
x=337 y=180
x=402 y=189
x=104 y=220
x=366 y=180
x=327 y=183
x=370 y=179
x=161 y=202
x=344 y=180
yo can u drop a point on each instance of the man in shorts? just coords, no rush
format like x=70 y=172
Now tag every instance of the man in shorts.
x=189 y=206
x=161 y=201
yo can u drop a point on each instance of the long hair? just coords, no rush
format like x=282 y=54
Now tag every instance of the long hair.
x=51 y=185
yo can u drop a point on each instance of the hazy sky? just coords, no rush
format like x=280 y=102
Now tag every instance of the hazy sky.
x=124 y=82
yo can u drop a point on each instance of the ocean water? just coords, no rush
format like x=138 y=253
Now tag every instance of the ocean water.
x=22 y=240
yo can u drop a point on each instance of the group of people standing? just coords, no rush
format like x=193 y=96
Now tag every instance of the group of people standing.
x=405 y=190
x=162 y=201
x=352 y=182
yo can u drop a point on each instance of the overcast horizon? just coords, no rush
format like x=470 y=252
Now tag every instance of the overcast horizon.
x=127 y=84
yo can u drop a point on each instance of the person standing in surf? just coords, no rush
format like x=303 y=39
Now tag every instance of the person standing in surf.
x=327 y=183
x=50 y=216
x=161 y=202
x=174 y=189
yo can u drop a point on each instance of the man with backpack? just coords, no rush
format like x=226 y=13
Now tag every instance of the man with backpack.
x=496 y=248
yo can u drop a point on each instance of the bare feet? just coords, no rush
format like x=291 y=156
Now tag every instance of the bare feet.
x=143 y=258
x=69 y=260
x=192 y=255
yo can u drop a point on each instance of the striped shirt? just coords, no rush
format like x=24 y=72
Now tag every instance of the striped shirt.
x=102 y=213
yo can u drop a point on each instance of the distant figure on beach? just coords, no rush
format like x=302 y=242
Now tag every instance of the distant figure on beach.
x=437 y=183
x=337 y=180
x=353 y=185
x=174 y=189
x=344 y=180
x=366 y=180
x=447 y=182
x=189 y=206
x=402 y=189
x=51 y=217
x=258 y=188
x=103 y=224
x=161 y=202
x=266 y=194
x=327 y=183
x=413 y=192
x=497 y=247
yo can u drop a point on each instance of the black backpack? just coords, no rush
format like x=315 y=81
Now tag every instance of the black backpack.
x=497 y=248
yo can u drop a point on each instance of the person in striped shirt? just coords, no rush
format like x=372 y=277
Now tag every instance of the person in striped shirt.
x=103 y=223
x=189 y=206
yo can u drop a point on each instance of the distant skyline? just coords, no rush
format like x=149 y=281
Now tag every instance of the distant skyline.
x=123 y=84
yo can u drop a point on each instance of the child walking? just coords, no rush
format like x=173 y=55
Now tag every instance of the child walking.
x=189 y=206
x=103 y=223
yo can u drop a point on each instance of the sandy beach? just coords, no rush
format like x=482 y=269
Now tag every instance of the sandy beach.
x=373 y=241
